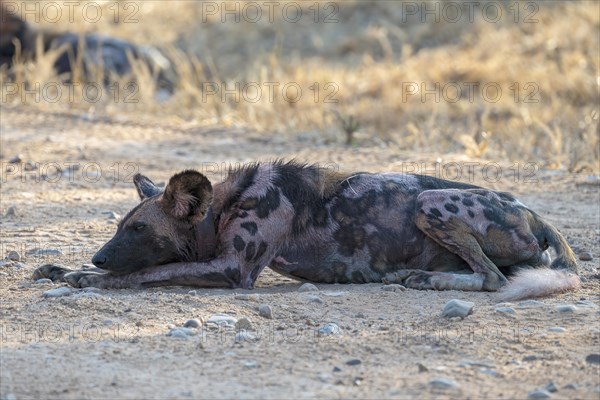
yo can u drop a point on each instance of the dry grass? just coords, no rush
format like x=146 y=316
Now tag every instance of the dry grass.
x=371 y=57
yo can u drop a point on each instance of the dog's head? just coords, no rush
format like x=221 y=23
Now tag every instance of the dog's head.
x=161 y=229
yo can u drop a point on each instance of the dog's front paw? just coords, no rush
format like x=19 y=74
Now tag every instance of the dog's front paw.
x=81 y=279
x=399 y=276
x=55 y=273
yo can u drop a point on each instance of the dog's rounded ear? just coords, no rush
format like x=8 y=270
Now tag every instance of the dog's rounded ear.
x=188 y=194
x=145 y=187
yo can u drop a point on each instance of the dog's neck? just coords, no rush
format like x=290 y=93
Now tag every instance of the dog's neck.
x=206 y=237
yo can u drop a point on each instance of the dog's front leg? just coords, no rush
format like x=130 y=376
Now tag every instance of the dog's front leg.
x=220 y=272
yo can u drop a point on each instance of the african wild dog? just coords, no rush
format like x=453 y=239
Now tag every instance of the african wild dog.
x=313 y=224
x=95 y=52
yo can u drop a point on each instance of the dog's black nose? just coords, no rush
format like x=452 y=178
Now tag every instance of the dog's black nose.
x=99 y=260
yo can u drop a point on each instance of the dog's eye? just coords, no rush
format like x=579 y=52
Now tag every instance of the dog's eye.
x=138 y=226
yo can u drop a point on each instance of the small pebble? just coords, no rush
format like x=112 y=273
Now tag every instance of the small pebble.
x=335 y=294
x=566 y=308
x=530 y=358
x=443 y=383
x=181 y=332
x=585 y=256
x=11 y=211
x=13 y=256
x=457 y=308
x=393 y=287
x=10 y=396
x=221 y=319
x=570 y=386
x=11 y=264
x=557 y=329
x=315 y=299
x=193 y=292
x=308 y=287
x=323 y=377
x=330 y=329
x=250 y=364
x=247 y=297
x=593 y=359
x=551 y=387
x=354 y=361
x=88 y=295
x=586 y=303
x=43 y=281
x=58 y=292
x=539 y=394
x=16 y=159
x=244 y=336
x=337 y=369
x=480 y=364
x=265 y=311
x=243 y=323
x=505 y=310
x=112 y=215
x=531 y=303
x=192 y=323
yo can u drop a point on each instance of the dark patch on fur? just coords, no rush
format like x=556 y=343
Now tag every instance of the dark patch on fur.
x=302 y=186
x=435 y=212
x=471 y=213
x=350 y=239
x=249 y=204
x=255 y=272
x=238 y=243
x=250 y=227
x=270 y=202
x=454 y=198
x=451 y=208
x=234 y=275
x=485 y=202
x=244 y=178
x=262 y=248
x=468 y=202
x=250 y=250
x=494 y=216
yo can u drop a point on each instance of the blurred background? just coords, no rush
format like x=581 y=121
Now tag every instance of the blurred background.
x=490 y=79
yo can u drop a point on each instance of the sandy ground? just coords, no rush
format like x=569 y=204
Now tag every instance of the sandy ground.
x=114 y=343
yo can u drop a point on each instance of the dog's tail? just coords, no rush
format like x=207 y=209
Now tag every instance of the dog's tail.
x=537 y=282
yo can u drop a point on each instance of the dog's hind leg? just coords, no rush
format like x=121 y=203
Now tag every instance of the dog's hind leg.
x=456 y=225
x=419 y=279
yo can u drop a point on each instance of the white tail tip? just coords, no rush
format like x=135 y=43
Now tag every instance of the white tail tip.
x=539 y=282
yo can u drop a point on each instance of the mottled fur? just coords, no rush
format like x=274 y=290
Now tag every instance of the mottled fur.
x=316 y=224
